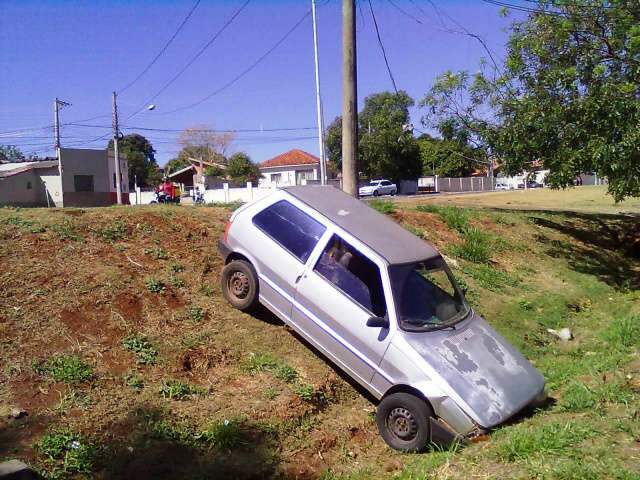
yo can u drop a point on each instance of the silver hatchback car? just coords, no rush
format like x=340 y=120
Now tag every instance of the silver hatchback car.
x=383 y=306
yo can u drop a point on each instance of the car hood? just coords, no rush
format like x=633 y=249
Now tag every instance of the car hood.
x=481 y=368
x=368 y=187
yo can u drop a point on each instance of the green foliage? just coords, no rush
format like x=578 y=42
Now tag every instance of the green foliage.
x=523 y=441
x=11 y=153
x=176 y=268
x=416 y=231
x=383 y=206
x=179 y=390
x=140 y=156
x=68 y=451
x=578 y=397
x=385 y=149
x=450 y=157
x=195 y=314
x=157 y=253
x=176 y=164
x=241 y=169
x=154 y=285
x=224 y=435
x=134 y=381
x=265 y=362
x=114 y=232
x=144 y=351
x=475 y=248
x=228 y=205
x=65 y=368
x=456 y=218
x=493 y=279
x=305 y=391
x=214 y=171
x=624 y=332
x=66 y=230
x=24 y=224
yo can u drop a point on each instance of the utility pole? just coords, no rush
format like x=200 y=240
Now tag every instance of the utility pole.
x=349 y=100
x=323 y=158
x=116 y=134
x=57 y=104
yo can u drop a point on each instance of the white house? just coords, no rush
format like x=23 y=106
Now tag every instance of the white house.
x=289 y=168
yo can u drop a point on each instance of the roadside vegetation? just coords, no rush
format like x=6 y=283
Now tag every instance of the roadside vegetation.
x=125 y=373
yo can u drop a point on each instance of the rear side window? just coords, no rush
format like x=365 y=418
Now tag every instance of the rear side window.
x=354 y=274
x=296 y=231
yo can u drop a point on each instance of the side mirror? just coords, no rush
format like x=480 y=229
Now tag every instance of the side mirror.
x=379 y=322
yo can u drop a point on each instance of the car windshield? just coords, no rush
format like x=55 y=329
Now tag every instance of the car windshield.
x=427 y=296
x=374 y=184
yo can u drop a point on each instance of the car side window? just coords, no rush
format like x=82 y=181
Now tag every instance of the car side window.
x=386 y=183
x=354 y=274
x=296 y=231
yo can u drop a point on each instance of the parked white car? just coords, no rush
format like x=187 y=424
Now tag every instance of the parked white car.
x=383 y=306
x=378 y=187
x=503 y=186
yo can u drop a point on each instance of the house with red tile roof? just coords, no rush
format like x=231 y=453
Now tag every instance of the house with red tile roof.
x=294 y=167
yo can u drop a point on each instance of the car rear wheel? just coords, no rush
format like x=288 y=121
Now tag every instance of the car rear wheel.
x=393 y=192
x=403 y=422
x=240 y=284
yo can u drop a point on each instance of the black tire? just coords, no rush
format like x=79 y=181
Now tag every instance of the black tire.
x=393 y=192
x=403 y=422
x=240 y=285
x=376 y=193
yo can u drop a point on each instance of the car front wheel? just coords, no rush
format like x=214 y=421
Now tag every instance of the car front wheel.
x=240 y=284
x=403 y=422
x=376 y=193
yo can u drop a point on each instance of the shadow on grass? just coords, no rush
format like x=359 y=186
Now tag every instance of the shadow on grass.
x=147 y=445
x=606 y=246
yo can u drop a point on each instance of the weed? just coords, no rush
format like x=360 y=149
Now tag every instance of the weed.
x=416 y=231
x=177 y=282
x=157 y=253
x=72 y=399
x=260 y=362
x=475 y=248
x=142 y=348
x=195 y=314
x=522 y=441
x=225 y=435
x=624 y=332
x=70 y=369
x=179 y=390
x=154 y=285
x=456 y=218
x=68 y=450
x=25 y=225
x=309 y=394
x=383 y=206
x=134 y=381
x=176 y=267
x=66 y=231
x=112 y=233
x=578 y=397
x=285 y=372
x=271 y=393
x=491 y=278
x=525 y=305
x=206 y=290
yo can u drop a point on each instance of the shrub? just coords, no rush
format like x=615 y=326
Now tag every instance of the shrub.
x=154 y=285
x=383 y=206
x=140 y=346
x=66 y=368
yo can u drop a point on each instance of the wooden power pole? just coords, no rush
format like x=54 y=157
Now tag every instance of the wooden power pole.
x=116 y=135
x=349 y=100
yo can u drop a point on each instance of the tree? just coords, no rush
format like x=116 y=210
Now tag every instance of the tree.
x=202 y=143
x=10 y=153
x=176 y=164
x=140 y=156
x=566 y=99
x=386 y=148
x=242 y=169
x=447 y=158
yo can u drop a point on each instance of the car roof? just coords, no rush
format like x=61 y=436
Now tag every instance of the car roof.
x=384 y=236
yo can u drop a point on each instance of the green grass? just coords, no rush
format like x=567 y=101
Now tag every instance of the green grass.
x=523 y=441
x=228 y=205
x=195 y=314
x=492 y=279
x=456 y=218
x=70 y=369
x=264 y=362
x=179 y=390
x=157 y=253
x=154 y=285
x=224 y=435
x=383 y=206
x=144 y=351
x=66 y=230
x=112 y=233
x=624 y=332
x=476 y=246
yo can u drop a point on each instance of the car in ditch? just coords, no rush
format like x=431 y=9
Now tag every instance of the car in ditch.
x=383 y=306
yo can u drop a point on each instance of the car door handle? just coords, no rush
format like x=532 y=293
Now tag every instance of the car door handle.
x=300 y=277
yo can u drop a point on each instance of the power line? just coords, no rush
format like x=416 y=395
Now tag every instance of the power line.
x=404 y=12
x=194 y=58
x=384 y=53
x=245 y=71
x=206 y=130
x=163 y=49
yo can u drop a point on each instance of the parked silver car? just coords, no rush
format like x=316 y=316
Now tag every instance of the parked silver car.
x=378 y=187
x=383 y=306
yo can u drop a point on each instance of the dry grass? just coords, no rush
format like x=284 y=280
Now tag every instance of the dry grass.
x=76 y=283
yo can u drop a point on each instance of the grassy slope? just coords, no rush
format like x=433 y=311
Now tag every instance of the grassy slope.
x=80 y=283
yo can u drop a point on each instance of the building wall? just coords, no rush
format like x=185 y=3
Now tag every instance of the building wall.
x=287 y=175
x=14 y=190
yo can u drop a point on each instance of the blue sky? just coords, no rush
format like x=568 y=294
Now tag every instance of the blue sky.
x=81 y=51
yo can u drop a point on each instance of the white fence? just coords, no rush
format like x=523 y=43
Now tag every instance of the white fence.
x=225 y=194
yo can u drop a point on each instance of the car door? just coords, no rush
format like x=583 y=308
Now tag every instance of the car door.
x=285 y=237
x=387 y=187
x=338 y=292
